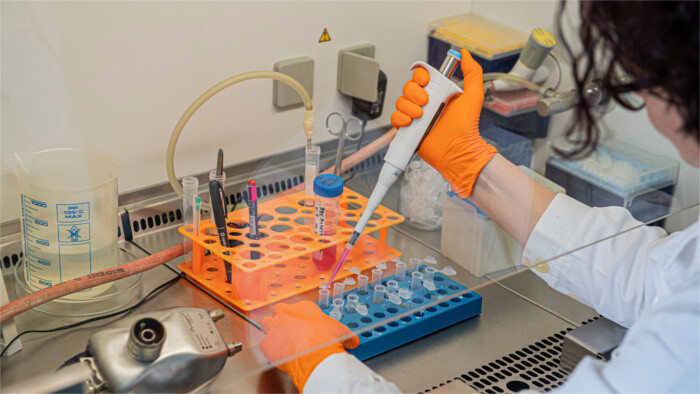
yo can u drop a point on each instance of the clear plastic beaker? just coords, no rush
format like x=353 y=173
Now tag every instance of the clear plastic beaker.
x=68 y=211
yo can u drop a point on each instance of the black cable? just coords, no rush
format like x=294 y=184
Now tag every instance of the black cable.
x=94 y=319
x=73 y=359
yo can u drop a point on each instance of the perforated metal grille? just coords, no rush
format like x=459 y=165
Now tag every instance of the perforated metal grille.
x=535 y=366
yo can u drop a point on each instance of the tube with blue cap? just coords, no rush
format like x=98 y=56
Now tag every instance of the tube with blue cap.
x=403 y=148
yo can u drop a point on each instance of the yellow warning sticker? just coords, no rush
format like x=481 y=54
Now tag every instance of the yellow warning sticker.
x=324 y=36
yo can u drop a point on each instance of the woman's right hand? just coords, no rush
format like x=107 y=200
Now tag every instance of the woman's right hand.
x=454 y=146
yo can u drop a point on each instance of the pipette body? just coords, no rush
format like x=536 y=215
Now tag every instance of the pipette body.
x=403 y=148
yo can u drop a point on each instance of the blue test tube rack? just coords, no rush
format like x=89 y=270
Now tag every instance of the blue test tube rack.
x=421 y=322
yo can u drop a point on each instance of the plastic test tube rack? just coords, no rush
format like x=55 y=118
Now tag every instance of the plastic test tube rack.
x=399 y=331
x=279 y=264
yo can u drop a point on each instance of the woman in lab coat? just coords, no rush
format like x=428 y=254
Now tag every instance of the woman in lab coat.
x=642 y=279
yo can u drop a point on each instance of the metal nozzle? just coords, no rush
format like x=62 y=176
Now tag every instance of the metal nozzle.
x=593 y=92
x=449 y=65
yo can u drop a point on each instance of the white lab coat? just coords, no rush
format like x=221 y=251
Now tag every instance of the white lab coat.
x=641 y=279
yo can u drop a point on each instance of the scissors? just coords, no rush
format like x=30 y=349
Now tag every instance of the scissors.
x=340 y=129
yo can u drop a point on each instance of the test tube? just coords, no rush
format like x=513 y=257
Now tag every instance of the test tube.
x=313 y=158
x=415 y=264
x=336 y=314
x=429 y=273
x=400 y=271
x=338 y=289
x=338 y=303
x=416 y=280
x=190 y=185
x=323 y=298
x=362 y=283
x=376 y=277
x=392 y=286
x=351 y=304
x=379 y=294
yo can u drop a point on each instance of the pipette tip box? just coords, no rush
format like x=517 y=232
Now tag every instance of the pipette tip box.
x=456 y=305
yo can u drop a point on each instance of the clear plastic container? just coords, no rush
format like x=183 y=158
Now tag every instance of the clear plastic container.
x=313 y=159
x=512 y=102
x=327 y=188
x=68 y=200
x=190 y=186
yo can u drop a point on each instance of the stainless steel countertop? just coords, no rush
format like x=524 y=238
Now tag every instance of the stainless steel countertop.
x=517 y=311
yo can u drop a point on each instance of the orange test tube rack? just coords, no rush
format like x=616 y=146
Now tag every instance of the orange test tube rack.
x=279 y=264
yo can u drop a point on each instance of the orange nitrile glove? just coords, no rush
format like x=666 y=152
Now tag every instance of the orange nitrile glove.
x=454 y=146
x=295 y=328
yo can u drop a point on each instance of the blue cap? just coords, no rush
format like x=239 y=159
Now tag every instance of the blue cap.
x=455 y=54
x=328 y=185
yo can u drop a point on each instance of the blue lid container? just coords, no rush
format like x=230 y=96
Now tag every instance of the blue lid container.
x=328 y=185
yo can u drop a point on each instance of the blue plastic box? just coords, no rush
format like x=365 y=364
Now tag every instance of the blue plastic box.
x=437 y=49
x=456 y=307
x=516 y=148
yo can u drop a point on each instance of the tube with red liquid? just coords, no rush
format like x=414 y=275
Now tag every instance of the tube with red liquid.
x=327 y=188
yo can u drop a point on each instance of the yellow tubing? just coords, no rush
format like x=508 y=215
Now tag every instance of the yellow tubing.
x=308 y=120
x=512 y=78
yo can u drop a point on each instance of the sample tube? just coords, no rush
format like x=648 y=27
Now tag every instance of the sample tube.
x=400 y=271
x=376 y=277
x=351 y=304
x=338 y=303
x=313 y=158
x=429 y=273
x=416 y=280
x=327 y=188
x=336 y=314
x=379 y=294
x=362 y=284
x=392 y=286
x=338 y=289
x=415 y=264
x=190 y=185
x=323 y=295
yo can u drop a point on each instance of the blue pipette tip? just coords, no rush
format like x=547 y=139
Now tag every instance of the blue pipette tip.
x=455 y=53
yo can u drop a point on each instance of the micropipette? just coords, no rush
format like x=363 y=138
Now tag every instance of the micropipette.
x=402 y=149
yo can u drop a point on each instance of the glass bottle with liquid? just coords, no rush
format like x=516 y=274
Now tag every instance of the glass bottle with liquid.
x=327 y=190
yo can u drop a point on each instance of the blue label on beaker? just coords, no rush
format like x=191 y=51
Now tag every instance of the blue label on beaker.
x=73 y=212
x=72 y=233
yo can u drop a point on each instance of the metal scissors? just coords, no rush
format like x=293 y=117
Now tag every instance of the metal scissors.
x=340 y=129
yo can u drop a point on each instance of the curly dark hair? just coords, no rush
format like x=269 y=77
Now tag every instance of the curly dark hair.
x=655 y=42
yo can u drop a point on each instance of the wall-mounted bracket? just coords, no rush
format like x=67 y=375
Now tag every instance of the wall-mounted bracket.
x=358 y=72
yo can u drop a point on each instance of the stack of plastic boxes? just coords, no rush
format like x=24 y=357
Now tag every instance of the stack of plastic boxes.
x=618 y=174
x=472 y=240
x=496 y=48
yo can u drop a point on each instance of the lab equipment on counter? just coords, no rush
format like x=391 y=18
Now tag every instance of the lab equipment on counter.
x=362 y=284
x=618 y=174
x=68 y=213
x=217 y=201
x=515 y=111
x=284 y=265
x=174 y=350
x=474 y=241
x=324 y=297
x=421 y=194
x=327 y=188
x=495 y=47
x=190 y=188
x=456 y=305
x=338 y=126
x=313 y=159
x=440 y=90
x=253 y=210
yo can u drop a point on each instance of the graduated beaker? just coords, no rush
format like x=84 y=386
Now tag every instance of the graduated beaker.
x=68 y=211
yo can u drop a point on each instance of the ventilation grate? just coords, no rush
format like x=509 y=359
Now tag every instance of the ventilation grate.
x=534 y=367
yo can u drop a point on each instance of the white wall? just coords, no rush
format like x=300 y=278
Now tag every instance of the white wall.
x=118 y=75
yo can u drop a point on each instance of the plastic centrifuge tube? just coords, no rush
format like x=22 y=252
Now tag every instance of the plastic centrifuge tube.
x=351 y=304
x=336 y=314
x=416 y=280
x=338 y=289
x=429 y=273
x=190 y=185
x=400 y=271
x=379 y=294
x=415 y=264
x=338 y=303
x=313 y=158
x=323 y=298
x=362 y=281
x=376 y=277
x=392 y=286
